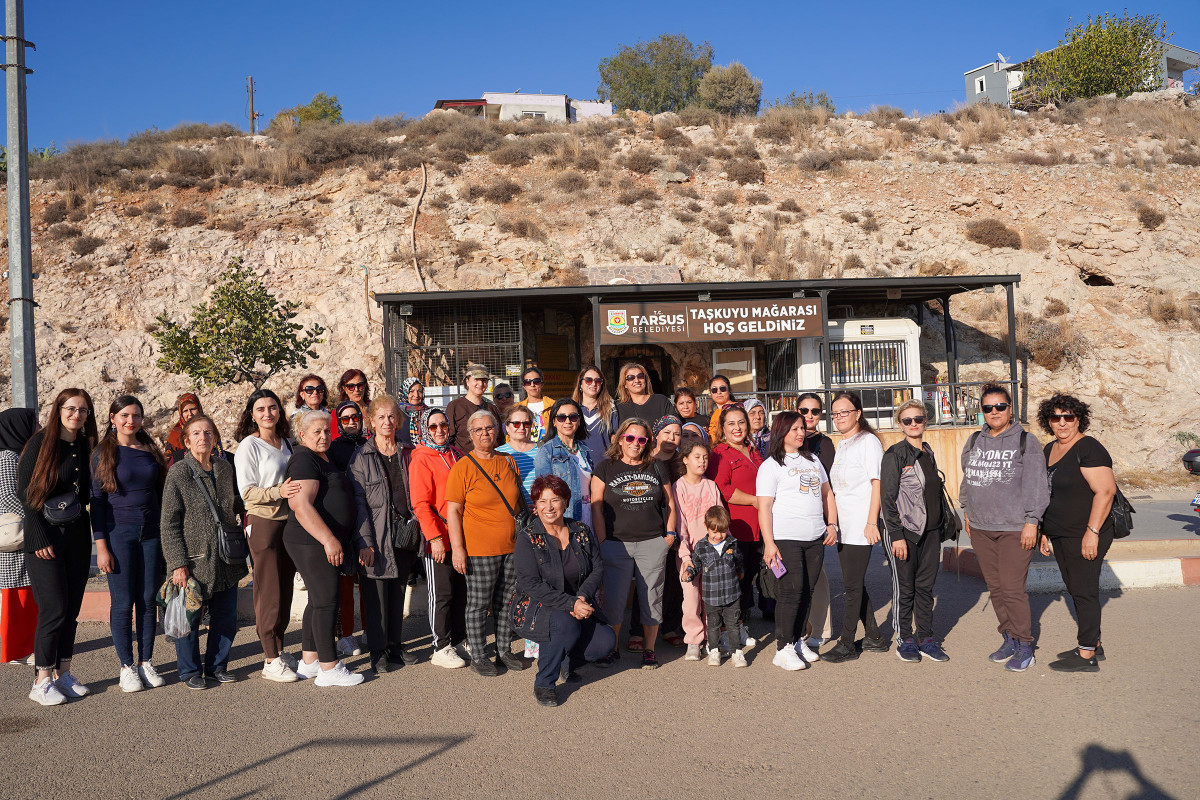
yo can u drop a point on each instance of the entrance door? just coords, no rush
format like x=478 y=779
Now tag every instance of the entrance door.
x=737 y=364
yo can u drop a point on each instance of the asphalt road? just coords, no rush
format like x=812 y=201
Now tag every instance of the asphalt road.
x=871 y=728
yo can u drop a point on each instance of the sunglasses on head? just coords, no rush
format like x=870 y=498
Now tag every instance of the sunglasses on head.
x=566 y=418
x=351 y=418
x=503 y=396
x=588 y=379
x=635 y=376
x=354 y=386
x=532 y=381
x=629 y=437
x=312 y=389
x=517 y=424
x=913 y=421
x=1062 y=417
x=810 y=412
x=996 y=407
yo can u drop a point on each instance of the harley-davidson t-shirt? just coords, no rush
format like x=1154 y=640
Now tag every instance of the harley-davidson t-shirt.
x=633 y=500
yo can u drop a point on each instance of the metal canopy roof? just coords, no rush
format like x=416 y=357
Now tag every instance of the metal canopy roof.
x=841 y=291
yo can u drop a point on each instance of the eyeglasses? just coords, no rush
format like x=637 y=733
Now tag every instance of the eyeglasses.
x=532 y=381
x=503 y=396
x=566 y=418
x=635 y=376
x=354 y=386
x=841 y=414
x=913 y=421
x=631 y=439
x=718 y=390
x=72 y=411
x=488 y=429
x=312 y=389
x=997 y=407
x=589 y=380
x=810 y=412
x=1062 y=417
x=516 y=424
x=350 y=418
x=439 y=426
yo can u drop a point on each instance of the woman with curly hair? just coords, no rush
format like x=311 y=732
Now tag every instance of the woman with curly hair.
x=1077 y=525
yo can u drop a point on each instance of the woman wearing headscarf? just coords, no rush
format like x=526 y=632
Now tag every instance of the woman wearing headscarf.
x=411 y=403
x=18 y=614
x=760 y=432
x=187 y=405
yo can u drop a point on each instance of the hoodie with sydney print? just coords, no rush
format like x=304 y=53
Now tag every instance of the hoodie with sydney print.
x=1003 y=488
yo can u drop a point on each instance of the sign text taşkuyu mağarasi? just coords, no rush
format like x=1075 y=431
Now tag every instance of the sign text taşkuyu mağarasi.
x=684 y=322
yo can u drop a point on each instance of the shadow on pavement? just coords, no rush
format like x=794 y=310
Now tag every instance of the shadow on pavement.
x=439 y=744
x=1193 y=522
x=1109 y=763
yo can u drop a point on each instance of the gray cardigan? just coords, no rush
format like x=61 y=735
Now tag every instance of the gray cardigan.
x=189 y=534
x=369 y=476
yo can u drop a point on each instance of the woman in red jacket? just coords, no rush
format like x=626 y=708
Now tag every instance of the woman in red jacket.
x=733 y=466
x=428 y=471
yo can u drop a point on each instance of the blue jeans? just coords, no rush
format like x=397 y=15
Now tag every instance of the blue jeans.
x=573 y=639
x=132 y=585
x=222 y=610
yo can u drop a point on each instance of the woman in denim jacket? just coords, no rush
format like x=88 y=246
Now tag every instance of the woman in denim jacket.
x=566 y=456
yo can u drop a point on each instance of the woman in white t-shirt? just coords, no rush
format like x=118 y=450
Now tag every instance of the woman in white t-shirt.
x=855 y=482
x=797 y=517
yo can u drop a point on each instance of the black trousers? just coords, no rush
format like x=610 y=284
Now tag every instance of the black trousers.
x=752 y=559
x=730 y=616
x=383 y=602
x=447 y=602
x=1082 y=579
x=803 y=561
x=855 y=558
x=58 y=585
x=912 y=584
x=320 y=615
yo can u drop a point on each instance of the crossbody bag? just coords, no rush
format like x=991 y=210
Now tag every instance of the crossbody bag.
x=521 y=517
x=232 y=546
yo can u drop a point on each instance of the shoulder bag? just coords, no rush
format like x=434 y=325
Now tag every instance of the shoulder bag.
x=12 y=532
x=522 y=518
x=232 y=546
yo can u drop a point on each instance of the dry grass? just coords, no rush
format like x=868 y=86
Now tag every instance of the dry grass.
x=571 y=183
x=1169 y=309
x=54 y=212
x=63 y=230
x=790 y=206
x=516 y=153
x=725 y=197
x=1154 y=477
x=1151 y=218
x=637 y=194
x=500 y=191
x=1051 y=344
x=816 y=161
x=869 y=223
x=463 y=248
x=524 y=227
x=853 y=261
x=849 y=216
x=157 y=245
x=993 y=233
x=186 y=217
x=641 y=161
x=745 y=170
x=758 y=198
x=86 y=245
x=1054 y=308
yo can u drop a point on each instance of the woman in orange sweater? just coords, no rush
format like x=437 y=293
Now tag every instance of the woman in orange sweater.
x=428 y=472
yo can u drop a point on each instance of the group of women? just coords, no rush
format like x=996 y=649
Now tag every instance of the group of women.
x=546 y=521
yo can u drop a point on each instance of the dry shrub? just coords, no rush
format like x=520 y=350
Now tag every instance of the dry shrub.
x=157 y=245
x=685 y=217
x=438 y=201
x=78 y=215
x=512 y=154
x=869 y=223
x=1033 y=239
x=816 y=161
x=186 y=217
x=524 y=227
x=758 y=198
x=228 y=223
x=448 y=168
x=725 y=197
x=718 y=226
x=398 y=202
x=745 y=170
x=643 y=194
x=1052 y=157
x=791 y=206
x=54 y=212
x=695 y=207
x=86 y=245
x=571 y=183
x=935 y=269
x=854 y=261
x=1187 y=158
x=1169 y=309
x=782 y=125
x=687 y=191
x=152 y=206
x=63 y=230
x=588 y=162
x=665 y=130
x=463 y=248
x=501 y=191
x=993 y=233
x=883 y=116
x=324 y=146
x=132 y=211
x=1150 y=217
x=849 y=216
x=1051 y=344
x=641 y=161
x=1054 y=308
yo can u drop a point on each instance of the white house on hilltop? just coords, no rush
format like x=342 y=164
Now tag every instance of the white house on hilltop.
x=504 y=106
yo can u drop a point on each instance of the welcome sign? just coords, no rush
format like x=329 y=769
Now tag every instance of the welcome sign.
x=739 y=320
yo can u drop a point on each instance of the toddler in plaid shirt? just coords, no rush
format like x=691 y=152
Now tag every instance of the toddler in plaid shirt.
x=718 y=559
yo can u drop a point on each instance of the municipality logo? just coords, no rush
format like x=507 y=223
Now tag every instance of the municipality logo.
x=618 y=322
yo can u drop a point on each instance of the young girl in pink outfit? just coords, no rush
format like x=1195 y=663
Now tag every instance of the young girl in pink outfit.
x=694 y=495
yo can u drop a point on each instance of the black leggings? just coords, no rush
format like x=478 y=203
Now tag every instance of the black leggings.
x=803 y=561
x=58 y=586
x=320 y=615
x=383 y=602
x=1082 y=579
x=855 y=558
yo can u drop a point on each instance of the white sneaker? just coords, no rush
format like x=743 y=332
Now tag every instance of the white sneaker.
x=338 y=676
x=693 y=653
x=714 y=657
x=298 y=582
x=739 y=659
x=27 y=661
x=807 y=654
x=149 y=675
x=448 y=658
x=348 y=646
x=277 y=670
x=289 y=661
x=305 y=670
x=745 y=638
x=789 y=659
x=70 y=687
x=129 y=681
x=46 y=693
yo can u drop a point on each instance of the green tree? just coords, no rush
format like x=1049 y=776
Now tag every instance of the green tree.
x=731 y=90
x=657 y=76
x=1105 y=55
x=242 y=334
x=322 y=107
x=806 y=100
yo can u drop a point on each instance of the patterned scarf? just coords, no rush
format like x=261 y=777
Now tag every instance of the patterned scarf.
x=419 y=431
x=669 y=419
x=408 y=408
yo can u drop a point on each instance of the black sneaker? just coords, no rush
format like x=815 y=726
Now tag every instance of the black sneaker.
x=1073 y=662
x=406 y=658
x=221 y=676
x=840 y=652
x=546 y=696
x=877 y=644
x=573 y=678
x=1099 y=652
x=196 y=682
x=608 y=660
x=380 y=666
x=485 y=667
x=513 y=661
x=648 y=660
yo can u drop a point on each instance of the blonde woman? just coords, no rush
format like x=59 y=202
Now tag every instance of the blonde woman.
x=634 y=398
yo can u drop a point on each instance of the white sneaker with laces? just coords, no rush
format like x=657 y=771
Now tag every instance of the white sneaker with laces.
x=714 y=657
x=448 y=658
x=277 y=670
x=130 y=681
x=693 y=653
x=789 y=659
x=46 y=693
x=745 y=638
x=149 y=675
x=808 y=655
x=70 y=687
x=298 y=582
x=306 y=670
x=338 y=676
x=739 y=659
x=348 y=646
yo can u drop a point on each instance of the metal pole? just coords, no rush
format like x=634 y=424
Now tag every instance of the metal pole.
x=1012 y=347
x=826 y=359
x=253 y=116
x=951 y=357
x=20 y=265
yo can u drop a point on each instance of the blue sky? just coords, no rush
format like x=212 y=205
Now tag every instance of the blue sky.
x=102 y=73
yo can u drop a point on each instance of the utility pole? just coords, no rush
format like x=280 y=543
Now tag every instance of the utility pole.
x=253 y=116
x=20 y=265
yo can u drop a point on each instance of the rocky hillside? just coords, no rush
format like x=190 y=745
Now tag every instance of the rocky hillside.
x=1095 y=205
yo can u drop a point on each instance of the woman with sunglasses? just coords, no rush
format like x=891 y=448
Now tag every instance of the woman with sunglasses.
x=353 y=436
x=1004 y=494
x=733 y=466
x=721 y=392
x=532 y=381
x=566 y=455
x=634 y=398
x=351 y=387
x=633 y=511
x=913 y=539
x=599 y=413
x=1077 y=524
x=428 y=473
x=818 y=628
x=312 y=393
x=519 y=426
x=411 y=403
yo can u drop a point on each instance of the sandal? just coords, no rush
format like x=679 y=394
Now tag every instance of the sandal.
x=674 y=639
x=636 y=644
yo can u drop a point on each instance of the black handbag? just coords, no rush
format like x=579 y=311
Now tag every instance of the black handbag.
x=1121 y=515
x=406 y=531
x=232 y=546
x=63 y=509
x=521 y=518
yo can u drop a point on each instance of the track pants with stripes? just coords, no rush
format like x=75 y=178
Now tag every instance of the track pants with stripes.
x=912 y=584
x=447 y=602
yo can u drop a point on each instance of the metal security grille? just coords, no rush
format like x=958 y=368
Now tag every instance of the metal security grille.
x=868 y=362
x=437 y=343
x=782 y=365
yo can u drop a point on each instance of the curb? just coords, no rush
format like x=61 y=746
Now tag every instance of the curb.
x=1117 y=573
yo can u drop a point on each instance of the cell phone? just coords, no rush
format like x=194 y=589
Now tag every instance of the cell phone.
x=778 y=568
